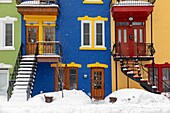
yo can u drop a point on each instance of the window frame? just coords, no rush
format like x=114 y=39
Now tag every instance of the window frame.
x=160 y=73
x=95 y=33
x=3 y=22
x=82 y=33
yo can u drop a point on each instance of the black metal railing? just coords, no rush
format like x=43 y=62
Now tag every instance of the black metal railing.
x=37 y=2
x=48 y=48
x=157 y=81
x=133 y=2
x=15 y=71
x=137 y=49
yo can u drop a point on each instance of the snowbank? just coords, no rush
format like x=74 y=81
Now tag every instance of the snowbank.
x=129 y=101
x=137 y=96
x=71 y=97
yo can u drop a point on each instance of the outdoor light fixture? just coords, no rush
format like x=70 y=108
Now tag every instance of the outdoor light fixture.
x=85 y=76
x=130 y=18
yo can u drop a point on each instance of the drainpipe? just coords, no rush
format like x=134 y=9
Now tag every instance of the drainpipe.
x=115 y=50
x=153 y=81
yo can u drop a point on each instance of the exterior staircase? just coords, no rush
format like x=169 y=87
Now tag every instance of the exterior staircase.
x=132 y=70
x=24 y=82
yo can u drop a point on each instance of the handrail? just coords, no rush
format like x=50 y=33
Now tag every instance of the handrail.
x=139 y=49
x=163 y=83
x=15 y=70
x=48 y=47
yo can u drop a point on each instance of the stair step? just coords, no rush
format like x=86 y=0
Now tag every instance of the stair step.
x=24 y=80
x=23 y=83
x=26 y=69
x=28 y=59
x=26 y=72
x=25 y=76
x=27 y=63
x=27 y=66
x=22 y=87
x=20 y=91
x=28 y=56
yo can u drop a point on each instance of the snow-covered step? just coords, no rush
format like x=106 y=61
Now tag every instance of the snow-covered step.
x=27 y=63
x=20 y=91
x=24 y=80
x=26 y=72
x=27 y=66
x=25 y=69
x=22 y=87
x=23 y=83
x=28 y=59
x=25 y=76
x=28 y=56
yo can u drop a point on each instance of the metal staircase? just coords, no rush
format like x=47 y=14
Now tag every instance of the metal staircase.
x=131 y=68
x=24 y=82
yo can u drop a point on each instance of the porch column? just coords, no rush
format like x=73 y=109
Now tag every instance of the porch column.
x=56 y=77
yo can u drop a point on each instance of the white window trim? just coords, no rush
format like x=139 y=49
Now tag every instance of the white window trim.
x=5 y=1
x=82 y=33
x=4 y=21
x=7 y=75
x=103 y=34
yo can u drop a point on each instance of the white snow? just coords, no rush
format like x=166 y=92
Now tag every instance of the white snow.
x=76 y=101
x=132 y=3
x=35 y=4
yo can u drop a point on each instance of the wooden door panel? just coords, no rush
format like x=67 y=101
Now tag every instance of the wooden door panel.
x=31 y=39
x=97 y=83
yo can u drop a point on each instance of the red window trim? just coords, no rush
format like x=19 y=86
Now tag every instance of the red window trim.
x=159 y=67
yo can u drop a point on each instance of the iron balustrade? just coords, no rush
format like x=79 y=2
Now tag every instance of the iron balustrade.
x=133 y=2
x=137 y=49
x=37 y=2
x=164 y=84
x=15 y=72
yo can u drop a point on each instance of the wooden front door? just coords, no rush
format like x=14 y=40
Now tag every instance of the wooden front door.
x=97 y=83
x=31 y=39
x=130 y=38
x=70 y=78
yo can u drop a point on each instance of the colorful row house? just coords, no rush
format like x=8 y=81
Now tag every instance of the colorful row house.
x=10 y=28
x=66 y=45
x=97 y=46
x=139 y=51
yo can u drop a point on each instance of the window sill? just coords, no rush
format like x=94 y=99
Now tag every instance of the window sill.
x=10 y=1
x=7 y=48
x=95 y=48
x=92 y=2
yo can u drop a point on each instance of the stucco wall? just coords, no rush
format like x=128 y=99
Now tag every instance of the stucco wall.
x=9 y=56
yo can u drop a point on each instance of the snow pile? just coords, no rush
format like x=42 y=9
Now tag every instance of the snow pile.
x=71 y=97
x=137 y=96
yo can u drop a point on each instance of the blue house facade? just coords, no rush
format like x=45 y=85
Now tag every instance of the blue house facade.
x=71 y=44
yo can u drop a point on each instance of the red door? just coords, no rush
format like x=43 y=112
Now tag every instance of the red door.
x=130 y=39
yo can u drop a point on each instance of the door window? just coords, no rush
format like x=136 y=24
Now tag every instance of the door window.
x=166 y=78
x=3 y=83
x=97 y=79
x=119 y=36
x=32 y=34
x=49 y=33
x=73 y=78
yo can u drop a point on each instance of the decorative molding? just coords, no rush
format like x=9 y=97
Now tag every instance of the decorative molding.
x=97 y=64
x=92 y=18
x=73 y=64
x=95 y=48
x=93 y=2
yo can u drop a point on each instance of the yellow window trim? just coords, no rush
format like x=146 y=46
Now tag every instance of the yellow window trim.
x=73 y=64
x=39 y=18
x=92 y=2
x=95 y=48
x=88 y=2
x=32 y=24
x=97 y=64
x=92 y=18
x=59 y=65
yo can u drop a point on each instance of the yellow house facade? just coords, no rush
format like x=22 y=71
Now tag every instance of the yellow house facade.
x=139 y=35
